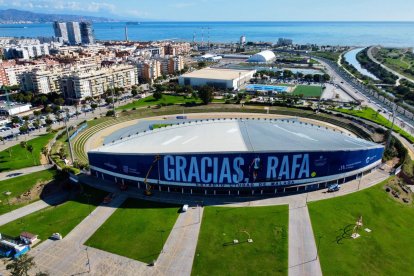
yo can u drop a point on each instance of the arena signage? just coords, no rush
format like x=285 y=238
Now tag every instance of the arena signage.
x=232 y=171
x=243 y=169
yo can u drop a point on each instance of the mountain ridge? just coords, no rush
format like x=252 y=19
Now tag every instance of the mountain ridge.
x=10 y=16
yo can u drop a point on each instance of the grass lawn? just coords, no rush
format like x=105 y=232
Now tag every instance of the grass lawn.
x=308 y=91
x=387 y=250
x=16 y=157
x=155 y=126
x=166 y=100
x=145 y=227
x=61 y=218
x=20 y=185
x=372 y=115
x=267 y=255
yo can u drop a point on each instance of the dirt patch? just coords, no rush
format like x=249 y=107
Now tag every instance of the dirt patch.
x=43 y=160
x=399 y=191
x=392 y=162
x=41 y=189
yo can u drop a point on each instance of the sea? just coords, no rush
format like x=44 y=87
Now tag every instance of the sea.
x=389 y=34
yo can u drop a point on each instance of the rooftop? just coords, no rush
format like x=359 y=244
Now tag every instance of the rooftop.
x=237 y=135
x=218 y=74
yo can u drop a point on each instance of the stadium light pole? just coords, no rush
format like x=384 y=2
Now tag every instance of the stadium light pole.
x=113 y=98
x=391 y=128
x=67 y=134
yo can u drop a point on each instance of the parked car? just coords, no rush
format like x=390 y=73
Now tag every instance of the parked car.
x=334 y=188
x=184 y=208
x=56 y=236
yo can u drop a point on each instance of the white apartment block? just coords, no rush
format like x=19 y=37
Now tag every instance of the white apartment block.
x=93 y=83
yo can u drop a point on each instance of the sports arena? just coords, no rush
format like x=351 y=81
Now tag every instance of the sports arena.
x=235 y=157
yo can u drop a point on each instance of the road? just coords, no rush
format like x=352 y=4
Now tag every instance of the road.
x=16 y=173
x=99 y=112
x=344 y=82
x=400 y=76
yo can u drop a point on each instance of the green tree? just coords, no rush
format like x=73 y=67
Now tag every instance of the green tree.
x=21 y=266
x=30 y=149
x=94 y=106
x=23 y=128
x=62 y=153
x=157 y=95
x=15 y=120
x=23 y=145
x=37 y=113
x=205 y=93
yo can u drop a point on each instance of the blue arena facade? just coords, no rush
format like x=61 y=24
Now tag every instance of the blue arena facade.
x=234 y=156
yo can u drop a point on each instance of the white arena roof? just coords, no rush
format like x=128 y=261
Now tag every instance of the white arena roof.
x=264 y=56
x=237 y=135
x=218 y=74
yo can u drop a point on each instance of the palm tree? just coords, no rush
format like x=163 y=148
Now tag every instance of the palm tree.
x=23 y=144
x=30 y=149
x=21 y=266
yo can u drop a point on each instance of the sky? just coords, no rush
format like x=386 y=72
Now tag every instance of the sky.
x=226 y=10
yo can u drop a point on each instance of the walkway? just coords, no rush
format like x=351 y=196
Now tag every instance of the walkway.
x=400 y=76
x=303 y=258
x=179 y=250
x=20 y=172
x=69 y=256
x=31 y=208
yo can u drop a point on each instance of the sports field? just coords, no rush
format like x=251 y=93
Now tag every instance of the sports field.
x=308 y=90
x=267 y=255
x=387 y=250
x=137 y=230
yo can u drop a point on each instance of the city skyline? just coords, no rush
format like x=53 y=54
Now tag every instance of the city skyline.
x=243 y=10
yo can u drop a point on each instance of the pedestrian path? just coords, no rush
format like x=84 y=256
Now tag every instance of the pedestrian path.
x=303 y=255
x=30 y=208
x=179 y=250
x=69 y=256
x=20 y=172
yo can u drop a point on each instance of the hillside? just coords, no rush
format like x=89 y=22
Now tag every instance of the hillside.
x=10 y=16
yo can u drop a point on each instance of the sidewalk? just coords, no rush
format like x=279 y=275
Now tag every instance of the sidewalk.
x=70 y=257
x=303 y=258
x=23 y=171
x=179 y=250
x=28 y=209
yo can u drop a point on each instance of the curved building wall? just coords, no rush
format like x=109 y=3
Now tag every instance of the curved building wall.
x=264 y=56
x=235 y=170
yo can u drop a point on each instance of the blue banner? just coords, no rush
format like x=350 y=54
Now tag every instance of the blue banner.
x=234 y=169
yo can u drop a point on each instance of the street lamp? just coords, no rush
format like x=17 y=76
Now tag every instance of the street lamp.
x=113 y=98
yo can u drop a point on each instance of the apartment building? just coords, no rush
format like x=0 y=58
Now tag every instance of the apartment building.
x=93 y=83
